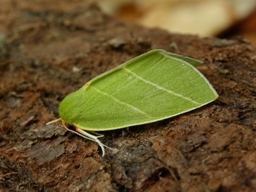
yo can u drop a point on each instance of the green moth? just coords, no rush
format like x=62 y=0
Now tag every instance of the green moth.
x=153 y=86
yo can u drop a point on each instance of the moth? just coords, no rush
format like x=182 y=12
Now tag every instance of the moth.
x=151 y=87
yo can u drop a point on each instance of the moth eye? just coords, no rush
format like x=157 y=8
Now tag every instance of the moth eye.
x=70 y=126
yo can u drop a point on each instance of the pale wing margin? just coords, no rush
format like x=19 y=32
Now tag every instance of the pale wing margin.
x=164 y=53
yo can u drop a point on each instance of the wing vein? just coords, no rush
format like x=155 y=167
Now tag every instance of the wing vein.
x=160 y=87
x=121 y=102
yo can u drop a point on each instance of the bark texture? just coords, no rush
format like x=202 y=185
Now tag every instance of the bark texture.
x=48 y=50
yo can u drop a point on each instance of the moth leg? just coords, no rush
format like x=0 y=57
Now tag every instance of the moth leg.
x=96 y=133
x=88 y=136
x=93 y=138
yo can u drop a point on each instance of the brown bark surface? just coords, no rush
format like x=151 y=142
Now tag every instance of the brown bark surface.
x=48 y=50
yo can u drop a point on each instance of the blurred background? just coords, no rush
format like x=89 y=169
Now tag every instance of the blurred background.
x=217 y=18
x=214 y=18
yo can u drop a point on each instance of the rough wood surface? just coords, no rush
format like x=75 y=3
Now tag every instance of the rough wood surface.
x=48 y=50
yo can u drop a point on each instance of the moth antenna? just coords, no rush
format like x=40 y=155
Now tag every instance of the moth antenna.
x=53 y=121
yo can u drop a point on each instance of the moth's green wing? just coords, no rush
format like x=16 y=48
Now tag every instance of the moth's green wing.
x=151 y=87
x=189 y=60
